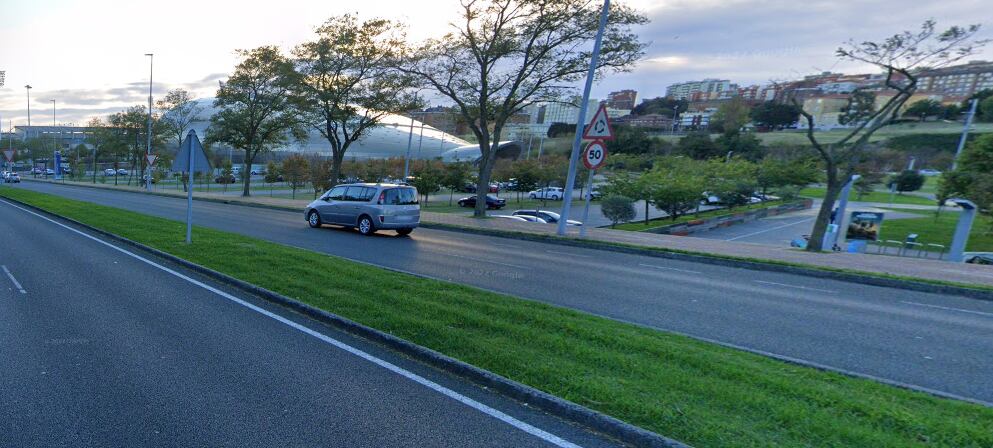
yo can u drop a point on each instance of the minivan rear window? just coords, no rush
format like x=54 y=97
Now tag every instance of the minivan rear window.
x=400 y=196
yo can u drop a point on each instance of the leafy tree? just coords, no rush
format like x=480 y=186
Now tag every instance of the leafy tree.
x=674 y=185
x=296 y=172
x=632 y=140
x=900 y=57
x=344 y=85
x=661 y=106
x=428 y=179
x=774 y=174
x=907 y=180
x=320 y=174
x=179 y=111
x=951 y=112
x=774 y=115
x=973 y=178
x=867 y=183
x=561 y=130
x=861 y=105
x=984 y=110
x=741 y=144
x=255 y=111
x=698 y=145
x=733 y=181
x=506 y=55
x=456 y=176
x=617 y=209
x=923 y=109
x=226 y=173
x=730 y=116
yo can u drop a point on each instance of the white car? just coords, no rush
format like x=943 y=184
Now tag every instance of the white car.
x=553 y=193
x=927 y=172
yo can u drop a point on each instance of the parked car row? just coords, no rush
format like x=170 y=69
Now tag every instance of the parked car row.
x=112 y=172
x=754 y=198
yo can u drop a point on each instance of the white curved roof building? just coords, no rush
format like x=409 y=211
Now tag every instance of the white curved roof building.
x=389 y=139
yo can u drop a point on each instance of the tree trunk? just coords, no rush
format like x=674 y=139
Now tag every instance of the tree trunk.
x=834 y=186
x=483 y=184
x=247 y=177
x=646 y=212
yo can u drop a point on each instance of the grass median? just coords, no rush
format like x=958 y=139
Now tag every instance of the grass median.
x=700 y=393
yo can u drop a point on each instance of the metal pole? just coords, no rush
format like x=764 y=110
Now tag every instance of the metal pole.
x=406 y=160
x=831 y=238
x=962 y=229
x=965 y=132
x=55 y=145
x=541 y=145
x=570 y=183
x=586 y=208
x=189 y=194
x=148 y=149
x=420 y=141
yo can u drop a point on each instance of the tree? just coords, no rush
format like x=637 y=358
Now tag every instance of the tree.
x=730 y=116
x=456 y=176
x=661 y=106
x=973 y=178
x=732 y=181
x=344 y=85
x=617 y=209
x=861 y=104
x=741 y=144
x=296 y=172
x=867 y=183
x=923 y=109
x=901 y=57
x=774 y=115
x=506 y=55
x=907 y=180
x=321 y=177
x=527 y=174
x=632 y=140
x=985 y=110
x=561 y=130
x=179 y=111
x=428 y=179
x=255 y=113
x=674 y=186
x=698 y=145
x=774 y=174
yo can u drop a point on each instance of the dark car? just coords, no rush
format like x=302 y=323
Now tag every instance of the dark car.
x=492 y=202
x=471 y=188
x=228 y=179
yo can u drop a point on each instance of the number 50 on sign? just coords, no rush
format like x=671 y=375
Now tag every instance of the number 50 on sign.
x=595 y=155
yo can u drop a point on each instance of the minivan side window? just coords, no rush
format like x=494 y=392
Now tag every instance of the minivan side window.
x=400 y=196
x=336 y=193
x=359 y=194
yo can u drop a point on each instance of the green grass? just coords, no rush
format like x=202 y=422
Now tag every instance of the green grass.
x=940 y=230
x=700 y=393
x=654 y=223
x=875 y=196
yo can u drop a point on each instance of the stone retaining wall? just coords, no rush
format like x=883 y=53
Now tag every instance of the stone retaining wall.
x=702 y=225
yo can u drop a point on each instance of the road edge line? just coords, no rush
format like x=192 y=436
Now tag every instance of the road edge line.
x=544 y=401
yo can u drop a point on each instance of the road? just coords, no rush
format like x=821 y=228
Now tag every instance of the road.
x=103 y=348
x=934 y=341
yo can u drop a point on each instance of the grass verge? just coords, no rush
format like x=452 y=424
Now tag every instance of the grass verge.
x=939 y=230
x=875 y=196
x=654 y=223
x=700 y=393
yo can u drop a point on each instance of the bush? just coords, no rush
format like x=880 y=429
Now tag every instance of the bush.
x=617 y=209
x=907 y=181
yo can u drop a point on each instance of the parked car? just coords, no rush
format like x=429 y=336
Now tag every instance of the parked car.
x=553 y=193
x=258 y=172
x=66 y=170
x=929 y=172
x=512 y=218
x=225 y=179
x=547 y=216
x=471 y=188
x=144 y=179
x=492 y=202
x=37 y=170
x=532 y=219
x=12 y=178
x=367 y=207
x=122 y=172
x=594 y=194
x=109 y=172
x=709 y=199
x=978 y=257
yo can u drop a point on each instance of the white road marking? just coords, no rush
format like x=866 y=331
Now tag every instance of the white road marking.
x=669 y=269
x=487 y=261
x=794 y=286
x=534 y=431
x=14 y=280
x=770 y=230
x=948 y=308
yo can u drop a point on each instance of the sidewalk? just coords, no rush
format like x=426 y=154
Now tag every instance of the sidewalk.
x=873 y=264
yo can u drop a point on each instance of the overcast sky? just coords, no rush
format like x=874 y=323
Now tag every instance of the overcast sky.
x=89 y=55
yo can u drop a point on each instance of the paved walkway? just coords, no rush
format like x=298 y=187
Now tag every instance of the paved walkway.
x=905 y=267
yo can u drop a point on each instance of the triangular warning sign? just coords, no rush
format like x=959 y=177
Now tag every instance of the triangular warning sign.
x=151 y=159
x=599 y=128
x=9 y=154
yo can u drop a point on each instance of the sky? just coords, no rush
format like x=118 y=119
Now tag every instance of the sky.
x=89 y=56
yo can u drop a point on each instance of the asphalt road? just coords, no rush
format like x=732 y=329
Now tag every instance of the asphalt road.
x=934 y=341
x=101 y=348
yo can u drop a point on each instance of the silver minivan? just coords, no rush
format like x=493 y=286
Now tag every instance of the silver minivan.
x=367 y=207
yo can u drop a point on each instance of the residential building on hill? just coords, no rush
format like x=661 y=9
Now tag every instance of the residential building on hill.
x=622 y=100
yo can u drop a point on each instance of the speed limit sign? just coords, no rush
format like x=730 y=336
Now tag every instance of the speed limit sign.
x=595 y=155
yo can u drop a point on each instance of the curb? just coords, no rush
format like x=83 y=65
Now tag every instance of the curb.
x=771 y=265
x=551 y=404
x=850 y=277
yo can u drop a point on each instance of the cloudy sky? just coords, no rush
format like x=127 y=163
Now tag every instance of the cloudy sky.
x=89 y=55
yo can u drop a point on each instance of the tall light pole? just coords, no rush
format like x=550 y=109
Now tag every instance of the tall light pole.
x=148 y=149
x=28 y=89
x=570 y=183
x=55 y=145
x=965 y=133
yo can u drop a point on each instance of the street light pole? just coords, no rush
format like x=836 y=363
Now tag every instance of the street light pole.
x=965 y=133
x=55 y=145
x=27 y=88
x=148 y=148
x=406 y=160
x=570 y=183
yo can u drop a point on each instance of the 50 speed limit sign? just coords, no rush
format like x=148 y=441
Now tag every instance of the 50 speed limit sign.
x=595 y=155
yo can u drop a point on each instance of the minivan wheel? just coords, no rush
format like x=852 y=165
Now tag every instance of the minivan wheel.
x=404 y=232
x=314 y=219
x=366 y=226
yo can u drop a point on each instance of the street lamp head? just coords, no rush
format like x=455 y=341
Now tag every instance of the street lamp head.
x=27 y=86
x=149 y=54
